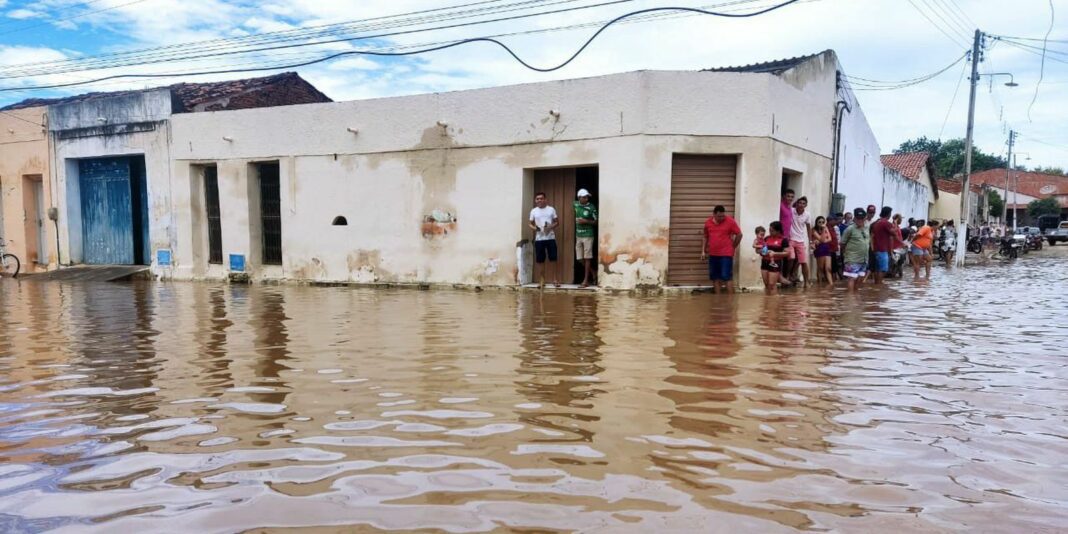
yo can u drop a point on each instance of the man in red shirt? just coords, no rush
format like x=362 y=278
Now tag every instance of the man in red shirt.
x=883 y=237
x=719 y=240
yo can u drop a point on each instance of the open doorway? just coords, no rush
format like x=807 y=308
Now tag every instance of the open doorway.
x=791 y=180
x=560 y=187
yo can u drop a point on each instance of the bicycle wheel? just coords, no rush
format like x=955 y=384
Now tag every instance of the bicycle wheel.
x=11 y=265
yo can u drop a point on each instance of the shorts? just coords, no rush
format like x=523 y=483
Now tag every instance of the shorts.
x=583 y=248
x=917 y=251
x=823 y=250
x=721 y=268
x=543 y=248
x=855 y=270
x=882 y=262
x=800 y=250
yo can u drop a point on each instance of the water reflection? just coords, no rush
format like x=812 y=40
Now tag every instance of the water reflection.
x=127 y=407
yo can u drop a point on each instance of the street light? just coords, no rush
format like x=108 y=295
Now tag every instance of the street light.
x=1010 y=83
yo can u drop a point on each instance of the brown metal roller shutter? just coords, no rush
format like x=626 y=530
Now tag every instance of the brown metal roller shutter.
x=698 y=184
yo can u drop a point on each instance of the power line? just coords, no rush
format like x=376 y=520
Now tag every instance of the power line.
x=867 y=85
x=189 y=51
x=951 y=18
x=939 y=28
x=434 y=49
x=306 y=56
x=72 y=17
x=971 y=23
x=952 y=101
x=1042 y=67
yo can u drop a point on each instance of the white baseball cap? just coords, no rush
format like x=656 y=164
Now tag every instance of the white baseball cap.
x=583 y=193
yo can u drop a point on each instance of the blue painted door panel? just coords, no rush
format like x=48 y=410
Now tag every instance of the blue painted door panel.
x=107 y=211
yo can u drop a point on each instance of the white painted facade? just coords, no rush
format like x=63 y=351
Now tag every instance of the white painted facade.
x=860 y=171
x=908 y=197
x=391 y=166
x=132 y=124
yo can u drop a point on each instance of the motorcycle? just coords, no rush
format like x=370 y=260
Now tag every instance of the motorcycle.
x=975 y=244
x=1008 y=249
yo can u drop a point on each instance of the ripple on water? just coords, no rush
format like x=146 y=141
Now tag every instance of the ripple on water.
x=923 y=406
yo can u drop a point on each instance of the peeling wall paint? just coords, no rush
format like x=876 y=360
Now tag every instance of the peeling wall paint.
x=434 y=187
x=24 y=156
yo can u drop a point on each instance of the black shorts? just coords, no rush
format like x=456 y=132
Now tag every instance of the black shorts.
x=544 y=248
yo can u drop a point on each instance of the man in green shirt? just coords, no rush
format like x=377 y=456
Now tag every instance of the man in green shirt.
x=585 y=231
x=855 y=242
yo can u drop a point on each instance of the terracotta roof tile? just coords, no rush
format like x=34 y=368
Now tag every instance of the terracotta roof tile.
x=1032 y=184
x=909 y=164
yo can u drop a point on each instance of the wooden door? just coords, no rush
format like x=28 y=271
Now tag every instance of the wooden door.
x=698 y=184
x=107 y=211
x=559 y=188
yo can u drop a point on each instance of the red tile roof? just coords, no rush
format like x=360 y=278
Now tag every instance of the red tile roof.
x=954 y=186
x=1032 y=184
x=909 y=164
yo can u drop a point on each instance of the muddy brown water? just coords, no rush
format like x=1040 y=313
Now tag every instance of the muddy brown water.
x=150 y=407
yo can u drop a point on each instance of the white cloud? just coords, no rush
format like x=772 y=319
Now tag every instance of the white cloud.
x=20 y=14
x=880 y=39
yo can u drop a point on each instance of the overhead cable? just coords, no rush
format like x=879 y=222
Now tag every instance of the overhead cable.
x=462 y=42
x=1042 y=67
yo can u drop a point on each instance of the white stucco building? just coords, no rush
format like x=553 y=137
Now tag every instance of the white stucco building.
x=435 y=189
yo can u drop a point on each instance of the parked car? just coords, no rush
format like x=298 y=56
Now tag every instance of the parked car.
x=1058 y=234
x=1033 y=237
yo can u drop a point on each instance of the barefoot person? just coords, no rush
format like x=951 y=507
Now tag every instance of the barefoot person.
x=585 y=231
x=883 y=238
x=822 y=239
x=719 y=239
x=543 y=221
x=800 y=230
x=856 y=242
x=922 y=241
x=772 y=253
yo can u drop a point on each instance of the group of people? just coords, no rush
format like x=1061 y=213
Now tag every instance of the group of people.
x=544 y=221
x=855 y=246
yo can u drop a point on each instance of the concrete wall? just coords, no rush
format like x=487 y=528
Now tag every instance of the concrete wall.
x=470 y=155
x=24 y=158
x=907 y=197
x=860 y=172
x=126 y=125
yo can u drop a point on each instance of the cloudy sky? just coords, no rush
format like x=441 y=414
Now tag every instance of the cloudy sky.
x=886 y=40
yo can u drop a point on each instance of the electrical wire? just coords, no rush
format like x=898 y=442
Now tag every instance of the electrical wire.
x=1042 y=67
x=950 y=22
x=228 y=46
x=952 y=101
x=863 y=84
x=462 y=42
x=971 y=23
x=939 y=28
x=72 y=17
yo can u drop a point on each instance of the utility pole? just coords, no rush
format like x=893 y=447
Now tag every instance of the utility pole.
x=1008 y=174
x=1015 y=182
x=965 y=190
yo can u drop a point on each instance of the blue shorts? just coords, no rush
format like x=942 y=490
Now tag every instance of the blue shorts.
x=543 y=248
x=882 y=262
x=917 y=251
x=720 y=268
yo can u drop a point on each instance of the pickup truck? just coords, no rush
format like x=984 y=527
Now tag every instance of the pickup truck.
x=1058 y=234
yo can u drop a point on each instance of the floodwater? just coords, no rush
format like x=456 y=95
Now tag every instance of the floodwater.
x=149 y=407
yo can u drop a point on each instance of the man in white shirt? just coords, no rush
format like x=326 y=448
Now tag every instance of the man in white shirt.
x=800 y=231
x=543 y=221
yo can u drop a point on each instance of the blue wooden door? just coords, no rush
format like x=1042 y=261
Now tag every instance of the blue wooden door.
x=107 y=211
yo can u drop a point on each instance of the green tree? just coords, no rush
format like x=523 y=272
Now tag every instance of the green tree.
x=1050 y=170
x=996 y=203
x=1043 y=206
x=947 y=157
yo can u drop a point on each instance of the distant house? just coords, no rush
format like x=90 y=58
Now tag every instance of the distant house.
x=947 y=205
x=909 y=187
x=1019 y=188
x=112 y=157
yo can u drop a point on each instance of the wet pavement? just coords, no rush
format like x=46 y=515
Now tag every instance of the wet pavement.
x=928 y=406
